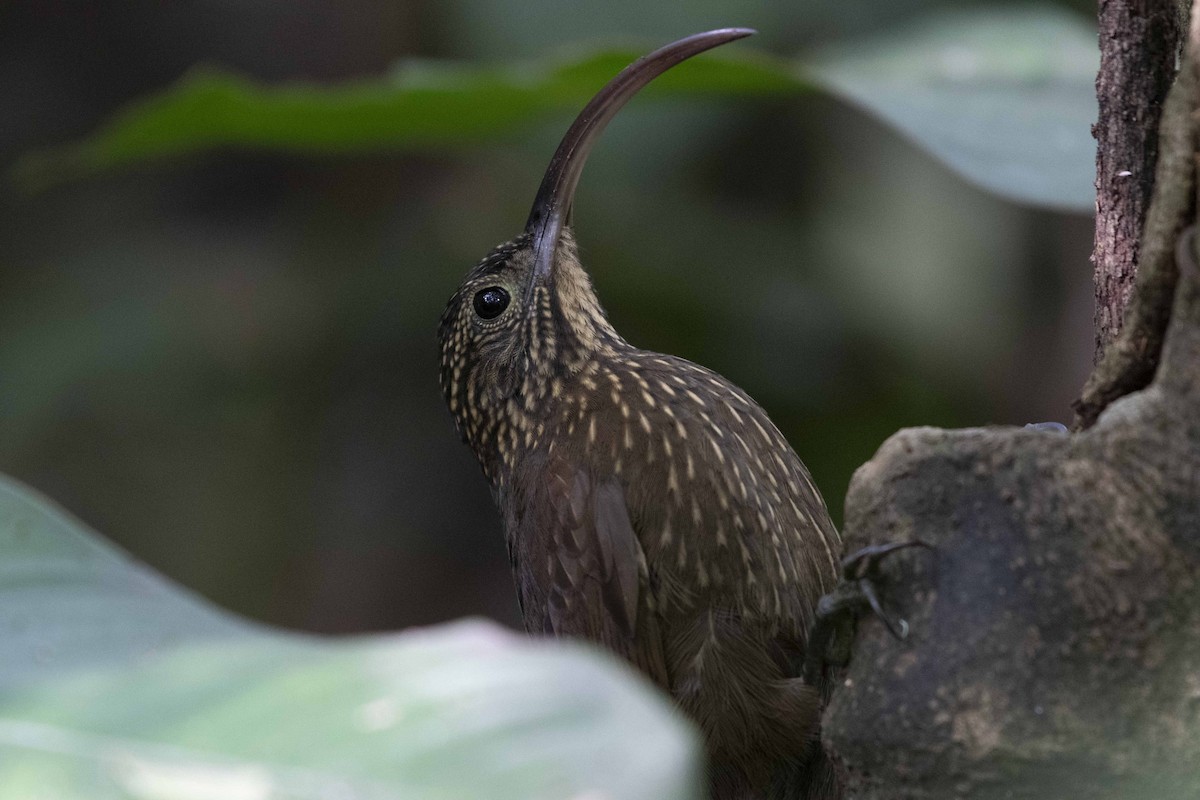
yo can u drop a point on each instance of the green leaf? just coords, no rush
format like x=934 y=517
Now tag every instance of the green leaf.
x=1004 y=97
x=423 y=104
x=116 y=684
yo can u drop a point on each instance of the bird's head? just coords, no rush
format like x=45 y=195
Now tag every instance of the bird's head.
x=526 y=316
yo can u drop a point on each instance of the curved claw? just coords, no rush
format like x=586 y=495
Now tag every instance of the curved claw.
x=832 y=631
x=897 y=628
x=865 y=562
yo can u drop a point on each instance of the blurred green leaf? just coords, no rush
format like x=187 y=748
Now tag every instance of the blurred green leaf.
x=1004 y=97
x=116 y=684
x=422 y=104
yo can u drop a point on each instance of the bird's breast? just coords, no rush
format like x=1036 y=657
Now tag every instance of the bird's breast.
x=722 y=506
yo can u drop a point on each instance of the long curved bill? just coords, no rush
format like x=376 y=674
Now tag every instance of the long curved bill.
x=552 y=206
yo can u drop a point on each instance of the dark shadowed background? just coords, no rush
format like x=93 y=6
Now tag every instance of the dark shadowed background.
x=227 y=363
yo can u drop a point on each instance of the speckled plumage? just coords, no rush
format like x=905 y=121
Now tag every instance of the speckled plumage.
x=650 y=506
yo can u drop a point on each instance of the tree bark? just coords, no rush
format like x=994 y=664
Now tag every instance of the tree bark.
x=1130 y=324
x=1139 y=46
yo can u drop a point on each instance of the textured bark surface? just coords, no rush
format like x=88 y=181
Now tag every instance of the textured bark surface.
x=1056 y=636
x=1139 y=43
x=1129 y=360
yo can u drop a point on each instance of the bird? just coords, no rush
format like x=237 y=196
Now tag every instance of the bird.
x=649 y=505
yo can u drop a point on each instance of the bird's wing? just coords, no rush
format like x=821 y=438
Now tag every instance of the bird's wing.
x=579 y=550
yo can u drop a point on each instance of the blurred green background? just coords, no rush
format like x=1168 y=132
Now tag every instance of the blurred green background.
x=227 y=363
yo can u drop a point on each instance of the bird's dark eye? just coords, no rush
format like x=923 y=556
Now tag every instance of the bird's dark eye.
x=491 y=302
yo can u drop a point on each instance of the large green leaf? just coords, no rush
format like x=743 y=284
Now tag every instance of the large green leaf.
x=422 y=104
x=1004 y=97
x=116 y=684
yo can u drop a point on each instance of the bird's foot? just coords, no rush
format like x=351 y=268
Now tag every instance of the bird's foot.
x=856 y=591
x=837 y=612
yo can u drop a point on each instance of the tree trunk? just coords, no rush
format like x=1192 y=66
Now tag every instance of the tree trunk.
x=1139 y=45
